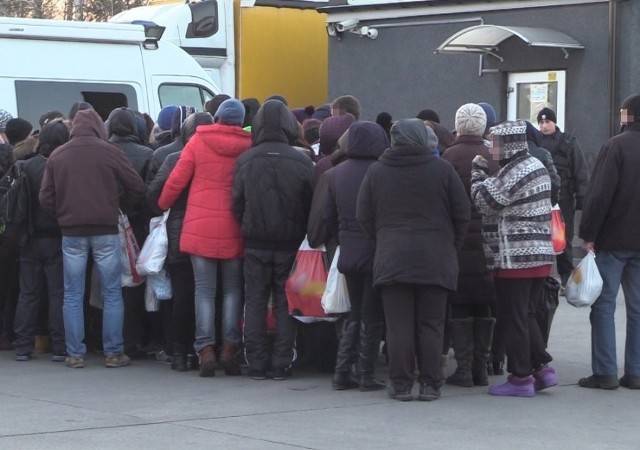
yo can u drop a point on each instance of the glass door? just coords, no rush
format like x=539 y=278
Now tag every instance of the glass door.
x=529 y=92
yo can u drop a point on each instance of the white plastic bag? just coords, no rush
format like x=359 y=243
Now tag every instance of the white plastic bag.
x=160 y=283
x=585 y=283
x=335 y=299
x=151 y=303
x=154 y=251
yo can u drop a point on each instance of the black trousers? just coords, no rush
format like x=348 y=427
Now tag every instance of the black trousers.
x=415 y=316
x=41 y=276
x=516 y=306
x=9 y=289
x=565 y=259
x=266 y=272
x=183 y=323
x=366 y=304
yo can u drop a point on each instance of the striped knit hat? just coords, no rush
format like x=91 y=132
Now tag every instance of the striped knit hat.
x=512 y=138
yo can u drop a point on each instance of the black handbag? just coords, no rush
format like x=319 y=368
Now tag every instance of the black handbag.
x=547 y=306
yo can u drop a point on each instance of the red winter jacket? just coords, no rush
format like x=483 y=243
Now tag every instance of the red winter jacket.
x=207 y=162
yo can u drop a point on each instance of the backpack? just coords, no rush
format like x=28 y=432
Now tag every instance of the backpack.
x=15 y=206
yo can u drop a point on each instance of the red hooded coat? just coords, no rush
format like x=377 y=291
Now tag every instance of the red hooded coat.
x=207 y=162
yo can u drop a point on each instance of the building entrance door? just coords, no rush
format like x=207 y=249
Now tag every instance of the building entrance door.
x=529 y=92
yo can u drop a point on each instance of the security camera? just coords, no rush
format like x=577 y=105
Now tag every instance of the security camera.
x=372 y=33
x=346 y=25
x=368 y=32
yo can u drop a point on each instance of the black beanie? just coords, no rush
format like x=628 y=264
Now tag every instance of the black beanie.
x=547 y=114
x=632 y=105
x=428 y=114
x=17 y=130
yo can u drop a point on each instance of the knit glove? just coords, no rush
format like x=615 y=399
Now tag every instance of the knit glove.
x=479 y=168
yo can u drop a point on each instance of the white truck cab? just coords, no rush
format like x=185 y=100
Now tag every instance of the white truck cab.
x=203 y=29
x=50 y=64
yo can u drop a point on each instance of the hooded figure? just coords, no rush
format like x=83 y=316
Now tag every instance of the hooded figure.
x=85 y=183
x=365 y=323
x=251 y=107
x=516 y=207
x=272 y=191
x=415 y=262
x=123 y=131
x=330 y=132
x=179 y=116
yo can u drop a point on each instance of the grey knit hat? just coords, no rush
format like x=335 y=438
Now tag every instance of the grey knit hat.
x=470 y=120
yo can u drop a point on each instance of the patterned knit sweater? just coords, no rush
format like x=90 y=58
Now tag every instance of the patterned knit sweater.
x=516 y=213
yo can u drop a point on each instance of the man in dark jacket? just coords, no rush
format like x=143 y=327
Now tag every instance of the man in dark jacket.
x=415 y=206
x=41 y=276
x=534 y=142
x=272 y=191
x=609 y=226
x=574 y=178
x=83 y=184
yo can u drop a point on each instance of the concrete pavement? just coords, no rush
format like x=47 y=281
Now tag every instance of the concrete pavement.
x=45 y=405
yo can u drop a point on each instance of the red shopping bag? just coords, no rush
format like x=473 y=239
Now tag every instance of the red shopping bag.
x=306 y=283
x=129 y=251
x=558 y=230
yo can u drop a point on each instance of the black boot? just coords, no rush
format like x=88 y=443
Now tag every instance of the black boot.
x=179 y=362
x=347 y=353
x=370 y=337
x=482 y=336
x=462 y=338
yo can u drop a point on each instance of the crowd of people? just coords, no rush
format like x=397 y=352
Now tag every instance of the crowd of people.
x=444 y=237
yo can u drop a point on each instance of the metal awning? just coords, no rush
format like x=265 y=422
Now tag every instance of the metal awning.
x=486 y=39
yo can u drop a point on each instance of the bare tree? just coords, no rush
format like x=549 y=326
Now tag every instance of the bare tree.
x=102 y=10
x=39 y=9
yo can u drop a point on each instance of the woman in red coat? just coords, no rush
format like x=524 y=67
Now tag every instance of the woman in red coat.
x=211 y=234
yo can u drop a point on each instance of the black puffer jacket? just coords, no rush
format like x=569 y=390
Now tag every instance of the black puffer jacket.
x=44 y=223
x=367 y=142
x=273 y=183
x=159 y=155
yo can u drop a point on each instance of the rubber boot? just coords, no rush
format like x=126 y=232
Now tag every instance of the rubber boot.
x=370 y=337
x=207 y=358
x=462 y=338
x=228 y=359
x=346 y=356
x=482 y=336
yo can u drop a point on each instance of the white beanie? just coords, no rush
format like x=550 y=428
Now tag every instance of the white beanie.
x=471 y=120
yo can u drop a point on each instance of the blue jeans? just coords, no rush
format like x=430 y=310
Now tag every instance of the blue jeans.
x=205 y=272
x=106 y=255
x=616 y=268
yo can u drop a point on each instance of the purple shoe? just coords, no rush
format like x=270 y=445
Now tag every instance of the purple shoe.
x=514 y=387
x=545 y=377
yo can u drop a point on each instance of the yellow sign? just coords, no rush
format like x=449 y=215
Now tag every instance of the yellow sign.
x=551 y=76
